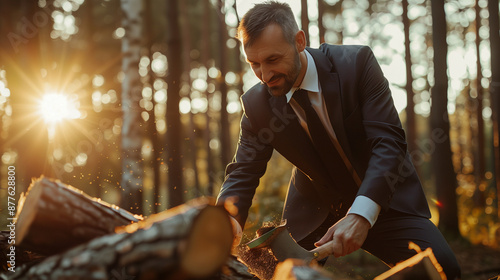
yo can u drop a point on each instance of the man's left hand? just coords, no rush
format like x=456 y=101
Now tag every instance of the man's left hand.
x=348 y=235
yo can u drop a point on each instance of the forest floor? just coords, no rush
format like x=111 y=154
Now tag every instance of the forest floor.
x=478 y=262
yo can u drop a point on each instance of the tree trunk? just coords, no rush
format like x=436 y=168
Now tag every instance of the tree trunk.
x=186 y=40
x=54 y=217
x=132 y=131
x=224 y=119
x=304 y=20
x=321 y=26
x=191 y=241
x=152 y=131
x=445 y=177
x=205 y=54
x=411 y=137
x=478 y=134
x=495 y=86
x=174 y=131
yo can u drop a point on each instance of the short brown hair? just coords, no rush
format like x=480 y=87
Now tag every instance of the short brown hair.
x=264 y=14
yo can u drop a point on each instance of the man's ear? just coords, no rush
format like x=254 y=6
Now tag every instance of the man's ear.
x=300 y=40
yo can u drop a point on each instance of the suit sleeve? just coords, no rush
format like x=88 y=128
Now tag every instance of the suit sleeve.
x=384 y=134
x=244 y=172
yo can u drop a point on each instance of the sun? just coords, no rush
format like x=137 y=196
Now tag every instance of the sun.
x=56 y=107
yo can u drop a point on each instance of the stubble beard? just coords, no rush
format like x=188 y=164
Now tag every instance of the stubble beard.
x=290 y=79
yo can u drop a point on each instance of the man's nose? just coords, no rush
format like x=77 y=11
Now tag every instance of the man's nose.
x=267 y=74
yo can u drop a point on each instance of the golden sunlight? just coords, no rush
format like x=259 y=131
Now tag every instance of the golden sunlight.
x=56 y=107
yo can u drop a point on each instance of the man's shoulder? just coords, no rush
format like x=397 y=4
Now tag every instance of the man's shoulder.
x=257 y=94
x=343 y=51
x=256 y=91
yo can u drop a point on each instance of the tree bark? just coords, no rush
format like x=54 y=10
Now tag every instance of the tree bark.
x=445 y=177
x=21 y=255
x=174 y=132
x=54 y=217
x=233 y=269
x=190 y=241
x=132 y=131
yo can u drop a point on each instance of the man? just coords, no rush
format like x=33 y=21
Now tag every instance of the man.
x=353 y=180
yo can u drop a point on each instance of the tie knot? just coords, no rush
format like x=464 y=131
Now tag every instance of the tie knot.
x=302 y=98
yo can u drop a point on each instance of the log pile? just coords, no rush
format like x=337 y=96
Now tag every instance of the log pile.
x=52 y=211
x=62 y=233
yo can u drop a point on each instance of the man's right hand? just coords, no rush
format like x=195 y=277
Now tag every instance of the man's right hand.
x=237 y=232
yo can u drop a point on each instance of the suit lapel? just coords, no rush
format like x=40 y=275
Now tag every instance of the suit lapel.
x=330 y=86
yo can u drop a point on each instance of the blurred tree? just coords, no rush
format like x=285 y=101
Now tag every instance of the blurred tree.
x=411 y=136
x=444 y=173
x=225 y=139
x=132 y=129
x=477 y=107
x=152 y=131
x=205 y=57
x=321 y=24
x=174 y=131
x=186 y=55
x=304 y=20
x=495 y=86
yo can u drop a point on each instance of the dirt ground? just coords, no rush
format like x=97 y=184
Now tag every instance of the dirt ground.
x=477 y=262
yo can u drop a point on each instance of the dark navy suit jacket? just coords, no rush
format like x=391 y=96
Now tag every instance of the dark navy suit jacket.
x=367 y=126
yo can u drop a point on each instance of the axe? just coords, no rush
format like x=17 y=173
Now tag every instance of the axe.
x=283 y=246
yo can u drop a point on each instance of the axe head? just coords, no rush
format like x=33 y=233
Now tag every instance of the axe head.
x=282 y=245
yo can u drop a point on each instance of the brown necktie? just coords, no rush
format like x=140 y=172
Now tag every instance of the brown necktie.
x=326 y=149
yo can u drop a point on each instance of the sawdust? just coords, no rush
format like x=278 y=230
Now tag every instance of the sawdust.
x=260 y=261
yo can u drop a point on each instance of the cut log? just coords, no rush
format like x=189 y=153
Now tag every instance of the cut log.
x=295 y=269
x=54 y=217
x=20 y=257
x=190 y=241
x=233 y=269
x=421 y=266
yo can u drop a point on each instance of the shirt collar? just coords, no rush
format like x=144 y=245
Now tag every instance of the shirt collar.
x=310 y=81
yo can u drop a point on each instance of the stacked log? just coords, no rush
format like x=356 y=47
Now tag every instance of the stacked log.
x=54 y=217
x=190 y=241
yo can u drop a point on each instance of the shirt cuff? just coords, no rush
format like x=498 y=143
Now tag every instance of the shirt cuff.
x=366 y=208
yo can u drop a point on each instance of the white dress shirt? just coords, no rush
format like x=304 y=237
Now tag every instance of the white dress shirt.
x=362 y=205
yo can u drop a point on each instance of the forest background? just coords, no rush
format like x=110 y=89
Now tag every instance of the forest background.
x=137 y=102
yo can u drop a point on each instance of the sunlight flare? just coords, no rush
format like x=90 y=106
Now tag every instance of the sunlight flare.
x=56 y=107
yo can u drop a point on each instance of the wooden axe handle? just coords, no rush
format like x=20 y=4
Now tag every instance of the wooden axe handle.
x=323 y=251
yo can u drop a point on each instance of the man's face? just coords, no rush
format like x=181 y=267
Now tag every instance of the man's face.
x=274 y=60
